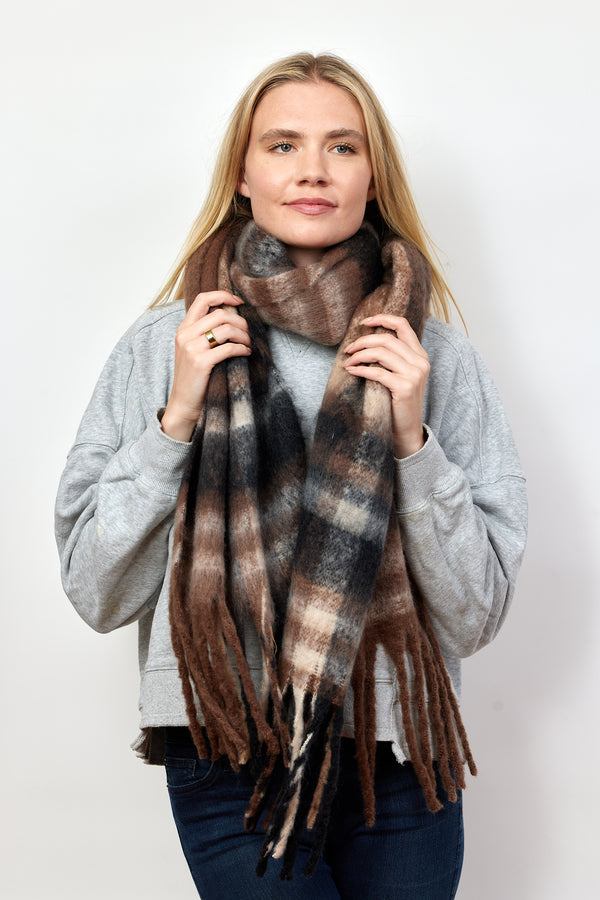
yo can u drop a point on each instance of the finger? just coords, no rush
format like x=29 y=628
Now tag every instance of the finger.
x=388 y=340
x=227 y=332
x=217 y=318
x=375 y=373
x=414 y=354
x=403 y=390
x=399 y=324
x=399 y=362
x=206 y=301
x=200 y=356
x=226 y=351
x=223 y=322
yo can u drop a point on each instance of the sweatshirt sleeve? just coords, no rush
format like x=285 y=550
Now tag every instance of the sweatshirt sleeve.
x=461 y=501
x=116 y=497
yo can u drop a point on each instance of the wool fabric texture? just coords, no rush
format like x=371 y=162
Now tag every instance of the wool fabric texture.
x=308 y=552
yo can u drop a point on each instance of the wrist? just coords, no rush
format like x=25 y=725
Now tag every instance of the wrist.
x=176 y=427
x=408 y=445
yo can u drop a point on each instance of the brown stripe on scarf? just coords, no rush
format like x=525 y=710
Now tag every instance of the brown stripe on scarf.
x=308 y=554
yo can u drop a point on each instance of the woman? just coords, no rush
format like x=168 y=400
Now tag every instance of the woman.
x=305 y=491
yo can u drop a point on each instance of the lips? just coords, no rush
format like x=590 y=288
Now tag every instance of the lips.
x=311 y=206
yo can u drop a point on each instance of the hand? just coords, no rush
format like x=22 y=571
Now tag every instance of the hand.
x=397 y=360
x=195 y=358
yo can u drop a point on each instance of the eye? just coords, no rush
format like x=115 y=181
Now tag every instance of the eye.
x=282 y=147
x=344 y=149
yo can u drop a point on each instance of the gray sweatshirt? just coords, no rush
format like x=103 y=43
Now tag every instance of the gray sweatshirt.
x=460 y=500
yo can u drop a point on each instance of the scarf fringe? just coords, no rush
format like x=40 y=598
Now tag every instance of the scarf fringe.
x=306 y=796
x=205 y=662
x=431 y=718
x=363 y=687
x=432 y=724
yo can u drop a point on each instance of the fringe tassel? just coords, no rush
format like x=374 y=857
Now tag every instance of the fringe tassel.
x=432 y=725
x=328 y=781
x=363 y=687
x=204 y=661
x=313 y=771
x=434 y=728
x=452 y=708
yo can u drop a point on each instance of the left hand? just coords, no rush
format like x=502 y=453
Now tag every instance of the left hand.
x=399 y=362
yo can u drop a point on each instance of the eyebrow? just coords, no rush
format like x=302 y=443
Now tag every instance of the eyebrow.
x=288 y=133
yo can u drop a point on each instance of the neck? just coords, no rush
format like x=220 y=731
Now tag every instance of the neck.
x=304 y=256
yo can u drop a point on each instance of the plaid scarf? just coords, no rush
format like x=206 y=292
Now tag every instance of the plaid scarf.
x=306 y=552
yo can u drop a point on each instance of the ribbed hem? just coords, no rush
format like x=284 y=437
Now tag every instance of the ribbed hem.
x=424 y=473
x=161 y=699
x=159 y=460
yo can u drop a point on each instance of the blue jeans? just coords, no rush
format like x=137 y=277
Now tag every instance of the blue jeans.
x=409 y=854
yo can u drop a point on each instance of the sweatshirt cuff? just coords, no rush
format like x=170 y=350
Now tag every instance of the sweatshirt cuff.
x=420 y=475
x=159 y=460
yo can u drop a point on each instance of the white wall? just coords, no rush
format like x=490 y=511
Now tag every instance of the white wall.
x=111 y=114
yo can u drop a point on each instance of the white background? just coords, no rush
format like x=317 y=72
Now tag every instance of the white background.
x=111 y=114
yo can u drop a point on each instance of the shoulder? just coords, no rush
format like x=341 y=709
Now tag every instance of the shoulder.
x=147 y=347
x=463 y=406
x=151 y=351
x=444 y=341
x=453 y=358
x=156 y=326
x=136 y=378
x=151 y=334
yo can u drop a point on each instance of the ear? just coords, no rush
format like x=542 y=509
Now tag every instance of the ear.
x=371 y=193
x=242 y=187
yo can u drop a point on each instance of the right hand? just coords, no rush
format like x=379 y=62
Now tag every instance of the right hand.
x=195 y=358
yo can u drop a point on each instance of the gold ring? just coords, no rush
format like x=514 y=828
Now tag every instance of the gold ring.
x=212 y=341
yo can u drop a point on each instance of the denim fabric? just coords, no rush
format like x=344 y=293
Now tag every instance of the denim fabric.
x=410 y=853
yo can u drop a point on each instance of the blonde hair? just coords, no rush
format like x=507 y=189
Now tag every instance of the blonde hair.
x=394 y=206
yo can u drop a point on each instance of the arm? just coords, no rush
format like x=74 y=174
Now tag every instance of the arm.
x=117 y=496
x=460 y=497
x=464 y=543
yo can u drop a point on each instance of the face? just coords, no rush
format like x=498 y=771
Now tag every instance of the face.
x=307 y=171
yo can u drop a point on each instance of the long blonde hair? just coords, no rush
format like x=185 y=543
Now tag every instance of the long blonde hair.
x=394 y=206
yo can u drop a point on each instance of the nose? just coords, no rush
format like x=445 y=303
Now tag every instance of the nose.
x=312 y=167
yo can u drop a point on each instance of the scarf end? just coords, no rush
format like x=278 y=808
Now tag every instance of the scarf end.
x=306 y=797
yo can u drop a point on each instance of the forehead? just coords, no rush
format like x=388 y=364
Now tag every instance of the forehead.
x=303 y=105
